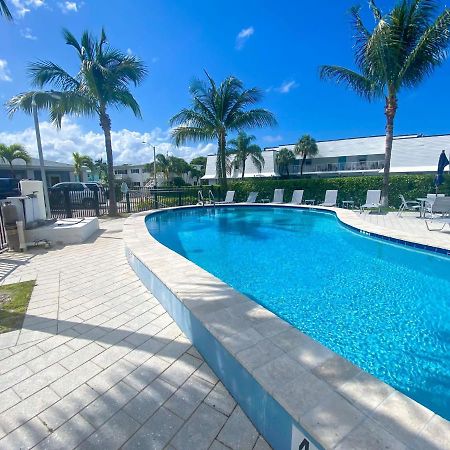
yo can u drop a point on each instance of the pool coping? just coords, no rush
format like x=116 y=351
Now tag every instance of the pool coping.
x=261 y=358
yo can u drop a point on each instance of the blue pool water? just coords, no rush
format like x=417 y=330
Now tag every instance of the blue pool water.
x=384 y=307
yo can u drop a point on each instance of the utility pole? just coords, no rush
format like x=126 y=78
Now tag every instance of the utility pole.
x=154 y=161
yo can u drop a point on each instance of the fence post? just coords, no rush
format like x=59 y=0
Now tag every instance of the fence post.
x=127 y=198
x=67 y=203
x=155 y=196
x=96 y=203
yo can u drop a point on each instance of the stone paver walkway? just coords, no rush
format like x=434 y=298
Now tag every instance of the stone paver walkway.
x=100 y=364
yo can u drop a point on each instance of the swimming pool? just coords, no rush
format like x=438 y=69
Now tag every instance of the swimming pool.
x=384 y=307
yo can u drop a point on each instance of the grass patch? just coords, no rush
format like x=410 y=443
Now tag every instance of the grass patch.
x=14 y=299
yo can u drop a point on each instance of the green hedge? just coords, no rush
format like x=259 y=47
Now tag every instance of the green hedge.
x=350 y=188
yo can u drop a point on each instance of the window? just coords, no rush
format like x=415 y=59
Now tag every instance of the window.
x=134 y=170
x=121 y=171
x=146 y=169
x=136 y=184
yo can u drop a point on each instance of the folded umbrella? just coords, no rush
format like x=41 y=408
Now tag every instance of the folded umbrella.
x=443 y=162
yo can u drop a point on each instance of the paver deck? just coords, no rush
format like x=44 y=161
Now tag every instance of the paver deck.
x=100 y=364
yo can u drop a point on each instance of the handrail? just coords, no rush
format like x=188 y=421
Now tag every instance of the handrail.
x=212 y=200
x=201 y=200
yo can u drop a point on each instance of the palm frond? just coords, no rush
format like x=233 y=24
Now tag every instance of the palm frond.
x=72 y=41
x=183 y=134
x=124 y=98
x=4 y=10
x=254 y=118
x=24 y=101
x=47 y=72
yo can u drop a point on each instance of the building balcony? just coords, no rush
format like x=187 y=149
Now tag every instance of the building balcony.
x=357 y=166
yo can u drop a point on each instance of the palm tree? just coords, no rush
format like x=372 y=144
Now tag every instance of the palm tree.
x=163 y=165
x=102 y=169
x=242 y=148
x=284 y=159
x=403 y=48
x=102 y=81
x=79 y=161
x=306 y=146
x=217 y=110
x=12 y=152
x=4 y=10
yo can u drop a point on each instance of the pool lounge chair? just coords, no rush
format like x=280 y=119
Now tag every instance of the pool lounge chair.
x=229 y=198
x=428 y=205
x=252 y=197
x=373 y=200
x=278 y=195
x=407 y=205
x=297 y=197
x=330 y=198
x=441 y=205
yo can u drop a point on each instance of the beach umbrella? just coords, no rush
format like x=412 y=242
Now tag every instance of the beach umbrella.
x=443 y=162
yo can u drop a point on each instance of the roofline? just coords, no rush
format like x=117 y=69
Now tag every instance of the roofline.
x=399 y=136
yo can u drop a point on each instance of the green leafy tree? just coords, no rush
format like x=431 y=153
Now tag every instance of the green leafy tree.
x=101 y=167
x=216 y=111
x=4 y=10
x=102 y=81
x=243 y=149
x=402 y=49
x=284 y=159
x=79 y=161
x=163 y=165
x=306 y=146
x=11 y=152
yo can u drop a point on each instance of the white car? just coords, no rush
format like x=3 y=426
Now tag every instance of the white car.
x=79 y=194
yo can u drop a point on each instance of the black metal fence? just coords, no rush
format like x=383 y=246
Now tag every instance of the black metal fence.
x=68 y=203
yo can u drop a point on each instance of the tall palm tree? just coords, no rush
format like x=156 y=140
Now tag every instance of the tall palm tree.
x=11 y=152
x=284 y=158
x=216 y=111
x=403 y=48
x=101 y=82
x=243 y=148
x=4 y=10
x=306 y=146
x=79 y=161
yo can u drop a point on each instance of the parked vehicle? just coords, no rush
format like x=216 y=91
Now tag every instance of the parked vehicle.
x=79 y=193
x=97 y=187
x=9 y=187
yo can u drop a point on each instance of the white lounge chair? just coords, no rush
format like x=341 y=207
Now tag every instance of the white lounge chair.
x=407 y=205
x=428 y=205
x=373 y=200
x=252 y=197
x=278 y=195
x=330 y=198
x=229 y=198
x=441 y=205
x=297 y=197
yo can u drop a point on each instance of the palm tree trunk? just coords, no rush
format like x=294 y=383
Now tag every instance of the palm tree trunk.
x=390 y=110
x=303 y=162
x=243 y=167
x=105 y=123
x=13 y=174
x=223 y=162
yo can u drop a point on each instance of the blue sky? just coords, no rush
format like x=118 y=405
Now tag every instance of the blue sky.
x=282 y=45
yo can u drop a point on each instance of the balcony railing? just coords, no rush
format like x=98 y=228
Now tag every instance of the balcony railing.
x=340 y=167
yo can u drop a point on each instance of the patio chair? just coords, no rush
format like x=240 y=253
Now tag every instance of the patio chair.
x=373 y=200
x=330 y=198
x=229 y=198
x=407 y=205
x=278 y=195
x=441 y=205
x=428 y=205
x=297 y=197
x=252 y=197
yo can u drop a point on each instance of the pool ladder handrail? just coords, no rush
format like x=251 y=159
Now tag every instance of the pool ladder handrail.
x=212 y=200
x=200 y=198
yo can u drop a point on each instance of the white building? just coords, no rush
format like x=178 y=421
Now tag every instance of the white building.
x=349 y=157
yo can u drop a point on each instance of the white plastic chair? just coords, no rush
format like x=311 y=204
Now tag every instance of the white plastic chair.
x=407 y=205
x=229 y=198
x=297 y=197
x=278 y=195
x=252 y=197
x=441 y=205
x=373 y=200
x=330 y=198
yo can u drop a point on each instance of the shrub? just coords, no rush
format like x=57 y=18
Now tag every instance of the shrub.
x=350 y=188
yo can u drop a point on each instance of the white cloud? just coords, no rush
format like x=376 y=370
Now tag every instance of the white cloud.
x=271 y=139
x=67 y=6
x=25 y=6
x=243 y=36
x=5 y=74
x=129 y=51
x=58 y=145
x=286 y=87
x=27 y=33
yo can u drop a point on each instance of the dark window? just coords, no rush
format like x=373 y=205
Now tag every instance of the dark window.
x=134 y=170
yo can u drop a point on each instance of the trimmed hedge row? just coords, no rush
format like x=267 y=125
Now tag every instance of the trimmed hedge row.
x=350 y=188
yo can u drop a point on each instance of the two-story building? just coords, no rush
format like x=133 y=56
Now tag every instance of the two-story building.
x=350 y=157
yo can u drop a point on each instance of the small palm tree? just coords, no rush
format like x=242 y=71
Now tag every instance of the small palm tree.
x=79 y=161
x=284 y=159
x=163 y=165
x=102 y=81
x=102 y=169
x=243 y=148
x=12 y=152
x=306 y=146
x=403 y=48
x=217 y=110
x=4 y=10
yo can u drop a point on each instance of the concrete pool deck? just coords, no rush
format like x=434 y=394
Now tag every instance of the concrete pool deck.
x=295 y=391
x=100 y=364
